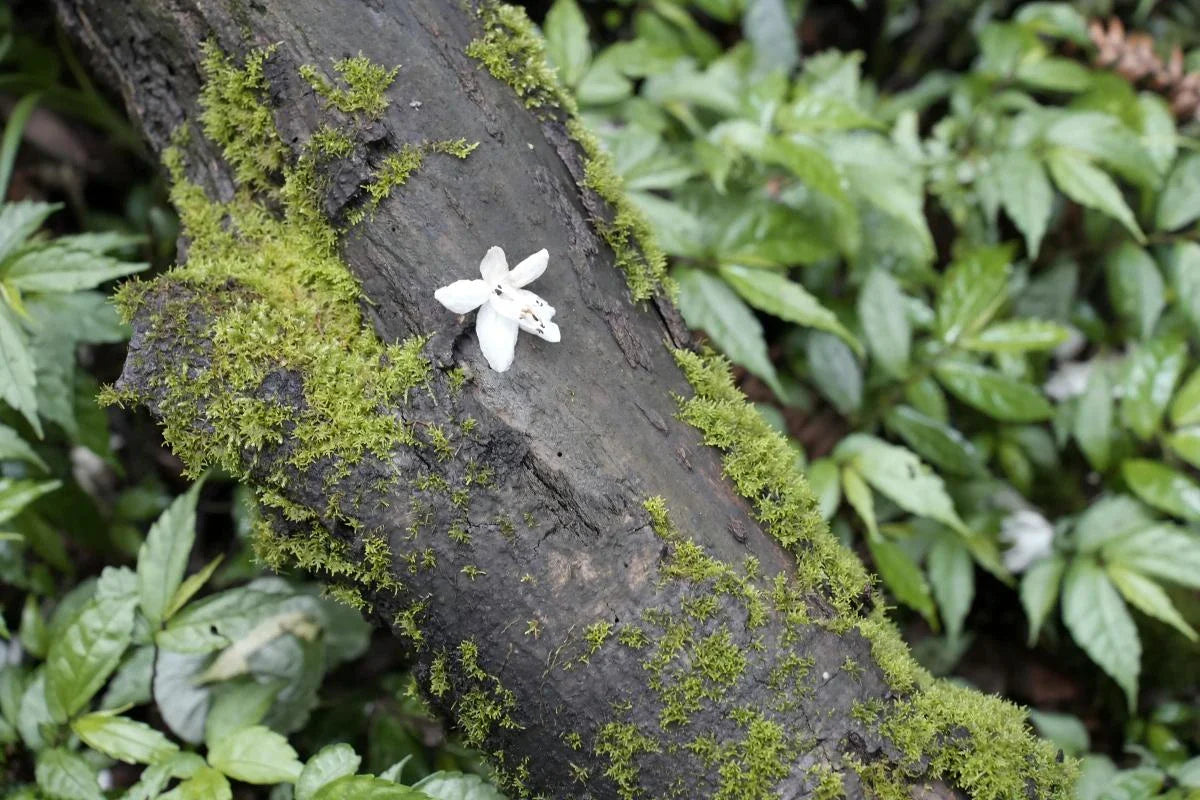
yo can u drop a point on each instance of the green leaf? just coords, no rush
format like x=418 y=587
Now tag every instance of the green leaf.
x=15 y=495
x=86 y=653
x=457 y=786
x=191 y=585
x=182 y=703
x=1039 y=592
x=882 y=310
x=1179 y=202
x=57 y=269
x=63 y=775
x=1151 y=374
x=708 y=303
x=122 y=738
x=1055 y=19
x=935 y=441
x=1183 y=267
x=14 y=130
x=14 y=448
x=1054 y=74
x=858 y=495
x=952 y=574
x=163 y=557
x=567 y=42
x=994 y=393
x=1109 y=518
x=678 y=230
x=1163 y=487
x=205 y=784
x=773 y=293
x=1188 y=773
x=1185 y=410
x=1164 y=551
x=255 y=755
x=974 y=288
x=330 y=763
x=1100 y=623
x=238 y=705
x=1103 y=137
x=1185 y=443
x=769 y=28
x=366 y=787
x=1148 y=597
x=19 y=221
x=823 y=480
x=1091 y=187
x=1025 y=194
x=898 y=474
x=214 y=622
x=903 y=577
x=835 y=371
x=17 y=377
x=1064 y=730
x=1135 y=288
x=1018 y=336
x=1093 y=424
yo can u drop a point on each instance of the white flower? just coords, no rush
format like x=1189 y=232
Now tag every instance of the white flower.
x=1031 y=536
x=504 y=307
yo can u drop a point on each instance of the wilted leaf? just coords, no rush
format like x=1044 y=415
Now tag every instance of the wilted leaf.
x=1099 y=622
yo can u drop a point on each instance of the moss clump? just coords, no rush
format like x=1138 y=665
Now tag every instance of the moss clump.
x=752 y=767
x=982 y=743
x=595 y=635
x=620 y=743
x=396 y=168
x=514 y=52
x=485 y=705
x=364 y=83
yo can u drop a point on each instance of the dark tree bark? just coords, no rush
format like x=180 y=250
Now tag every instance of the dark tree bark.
x=577 y=435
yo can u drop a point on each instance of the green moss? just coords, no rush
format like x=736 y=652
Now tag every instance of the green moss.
x=632 y=636
x=595 y=635
x=513 y=51
x=363 y=85
x=621 y=743
x=472 y=571
x=981 y=743
x=439 y=675
x=828 y=783
x=331 y=142
x=487 y=704
x=752 y=767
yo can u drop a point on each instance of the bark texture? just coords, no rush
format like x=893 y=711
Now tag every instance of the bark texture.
x=517 y=621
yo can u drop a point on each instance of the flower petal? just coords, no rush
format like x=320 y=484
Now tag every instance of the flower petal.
x=494 y=266
x=463 y=296
x=497 y=337
x=537 y=305
x=530 y=269
x=543 y=330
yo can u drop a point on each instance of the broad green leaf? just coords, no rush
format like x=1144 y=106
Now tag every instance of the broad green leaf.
x=903 y=577
x=1179 y=202
x=238 y=705
x=191 y=585
x=1065 y=730
x=935 y=441
x=952 y=575
x=1093 y=425
x=1018 y=336
x=1100 y=623
x=457 y=786
x=1164 y=551
x=34 y=722
x=823 y=480
x=1151 y=374
x=973 y=290
x=19 y=221
x=814 y=169
x=1188 y=773
x=17 y=377
x=773 y=293
x=255 y=754
x=603 y=83
x=330 y=763
x=898 y=474
x=1054 y=74
x=858 y=495
x=1092 y=187
x=927 y=397
x=1148 y=597
x=1183 y=268
x=835 y=371
x=1135 y=288
x=86 y=653
x=677 y=230
x=1103 y=137
x=130 y=684
x=1185 y=443
x=366 y=787
x=205 y=784
x=882 y=311
x=14 y=448
x=1163 y=487
x=1185 y=408
x=567 y=43
x=994 y=393
x=769 y=28
x=182 y=703
x=1059 y=19
x=1025 y=194
x=1039 y=592
x=63 y=775
x=122 y=738
x=1109 y=518
x=163 y=557
x=215 y=621
x=708 y=303
x=15 y=495
x=58 y=269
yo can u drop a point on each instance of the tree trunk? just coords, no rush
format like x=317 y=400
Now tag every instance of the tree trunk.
x=592 y=596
